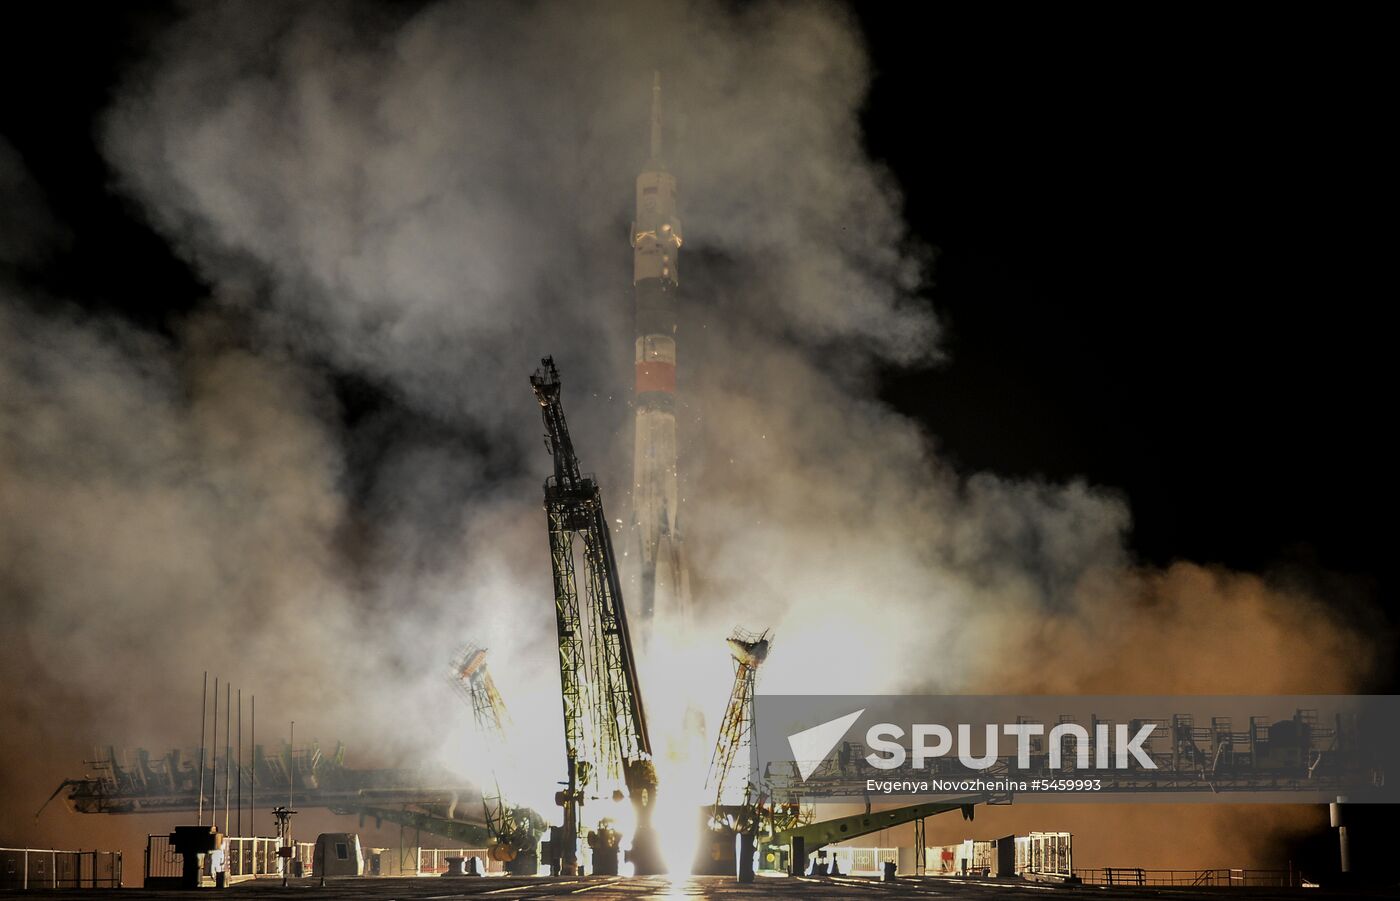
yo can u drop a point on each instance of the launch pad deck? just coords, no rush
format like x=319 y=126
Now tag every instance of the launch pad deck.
x=659 y=888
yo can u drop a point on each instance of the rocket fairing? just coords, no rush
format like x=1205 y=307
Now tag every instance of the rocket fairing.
x=656 y=241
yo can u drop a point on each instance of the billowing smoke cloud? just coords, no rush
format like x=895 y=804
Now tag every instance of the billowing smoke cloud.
x=432 y=200
x=155 y=499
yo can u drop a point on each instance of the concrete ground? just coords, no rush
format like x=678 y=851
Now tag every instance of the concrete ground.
x=657 y=888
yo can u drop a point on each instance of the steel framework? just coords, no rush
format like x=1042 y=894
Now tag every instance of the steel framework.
x=749 y=650
x=596 y=653
x=514 y=831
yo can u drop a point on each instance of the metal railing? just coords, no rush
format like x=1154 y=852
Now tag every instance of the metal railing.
x=249 y=857
x=861 y=861
x=1214 y=876
x=27 y=868
x=242 y=858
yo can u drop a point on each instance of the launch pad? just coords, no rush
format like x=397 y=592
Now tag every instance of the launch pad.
x=657 y=888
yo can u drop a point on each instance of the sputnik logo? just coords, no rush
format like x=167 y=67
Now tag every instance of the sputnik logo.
x=810 y=747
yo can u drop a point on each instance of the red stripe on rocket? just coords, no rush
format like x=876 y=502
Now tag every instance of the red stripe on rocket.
x=656 y=376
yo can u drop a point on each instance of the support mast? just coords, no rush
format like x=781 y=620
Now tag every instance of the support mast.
x=621 y=742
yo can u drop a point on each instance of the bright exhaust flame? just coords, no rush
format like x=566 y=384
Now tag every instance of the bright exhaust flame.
x=677 y=815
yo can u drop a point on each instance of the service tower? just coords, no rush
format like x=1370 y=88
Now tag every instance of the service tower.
x=656 y=243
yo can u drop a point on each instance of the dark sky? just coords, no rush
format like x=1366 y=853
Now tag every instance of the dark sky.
x=1162 y=262
x=1162 y=267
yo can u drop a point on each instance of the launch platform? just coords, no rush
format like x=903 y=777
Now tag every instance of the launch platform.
x=659 y=888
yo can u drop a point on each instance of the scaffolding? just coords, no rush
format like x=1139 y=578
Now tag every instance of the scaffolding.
x=429 y=799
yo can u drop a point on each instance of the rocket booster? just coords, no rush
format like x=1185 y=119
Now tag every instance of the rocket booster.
x=656 y=241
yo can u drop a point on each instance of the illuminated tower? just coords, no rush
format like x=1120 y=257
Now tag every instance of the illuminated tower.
x=656 y=244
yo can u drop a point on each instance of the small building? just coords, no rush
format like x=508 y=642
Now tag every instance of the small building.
x=338 y=854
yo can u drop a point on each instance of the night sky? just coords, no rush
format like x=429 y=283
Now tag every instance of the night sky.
x=1160 y=267
x=1159 y=262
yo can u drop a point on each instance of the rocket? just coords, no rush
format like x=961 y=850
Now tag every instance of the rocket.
x=656 y=243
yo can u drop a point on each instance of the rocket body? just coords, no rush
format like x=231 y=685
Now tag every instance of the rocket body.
x=656 y=241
